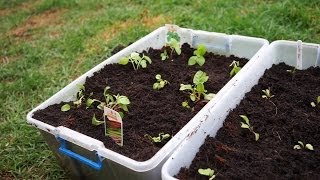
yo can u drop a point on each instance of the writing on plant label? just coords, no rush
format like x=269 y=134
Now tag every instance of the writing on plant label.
x=113 y=125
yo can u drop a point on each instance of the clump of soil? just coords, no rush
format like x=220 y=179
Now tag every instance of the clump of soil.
x=234 y=153
x=151 y=111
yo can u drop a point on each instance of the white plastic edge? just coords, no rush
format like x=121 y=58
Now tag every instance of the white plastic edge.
x=123 y=160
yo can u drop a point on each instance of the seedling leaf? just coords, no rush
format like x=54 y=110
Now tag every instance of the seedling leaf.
x=65 y=108
x=209 y=96
x=309 y=146
x=200 y=77
x=243 y=125
x=313 y=104
x=185 y=87
x=95 y=121
x=124 y=61
x=192 y=60
x=257 y=135
x=206 y=172
x=245 y=118
x=296 y=147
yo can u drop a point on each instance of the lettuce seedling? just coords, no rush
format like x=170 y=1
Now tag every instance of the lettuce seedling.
x=300 y=145
x=136 y=61
x=246 y=125
x=207 y=172
x=198 y=58
x=160 y=82
x=197 y=90
x=115 y=102
x=159 y=138
x=313 y=104
x=236 y=68
x=95 y=121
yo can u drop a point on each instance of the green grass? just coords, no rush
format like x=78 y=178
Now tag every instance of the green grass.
x=47 y=57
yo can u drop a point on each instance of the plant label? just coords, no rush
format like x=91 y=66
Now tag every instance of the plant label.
x=113 y=125
x=299 y=54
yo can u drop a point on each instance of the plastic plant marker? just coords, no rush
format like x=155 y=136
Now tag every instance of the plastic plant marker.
x=299 y=54
x=113 y=125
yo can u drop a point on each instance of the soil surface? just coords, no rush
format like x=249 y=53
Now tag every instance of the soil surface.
x=151 y=111
x=234 y=153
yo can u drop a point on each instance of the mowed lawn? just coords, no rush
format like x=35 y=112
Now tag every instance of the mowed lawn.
x=46 y=44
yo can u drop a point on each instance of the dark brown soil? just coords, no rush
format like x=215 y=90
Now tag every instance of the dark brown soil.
x=234 y=154
x=151 y=111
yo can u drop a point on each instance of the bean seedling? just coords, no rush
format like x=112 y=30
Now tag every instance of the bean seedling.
x=236 y=68
x=197 y=90
x=158 y=139
x=246 y=125
x=300 y=145
x=198 y=58
x=136 y=61
x=207 y=172
x=160 y=82
x=313 y=104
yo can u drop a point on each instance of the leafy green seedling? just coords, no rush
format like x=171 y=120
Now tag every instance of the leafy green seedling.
x=185 y=104
x=197 y=90
x=207 y=172
x=95 y=121
x=160 y=82
x=115 y=102
x=313 y=104
x=65 y=108
x=136 y=61
x=164 y=55
x=300 y=145
x=173 y=42
x=158 y=139
x=246 y=125
x=267 y=94
x=79 y=95
x=198 y=58
x=236 y=68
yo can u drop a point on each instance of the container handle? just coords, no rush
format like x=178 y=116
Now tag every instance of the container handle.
x=63 y=150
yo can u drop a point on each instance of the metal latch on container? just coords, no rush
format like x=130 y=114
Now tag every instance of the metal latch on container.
x=63 y=150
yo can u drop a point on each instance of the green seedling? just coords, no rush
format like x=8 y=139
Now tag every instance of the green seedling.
x=164 y=55
x=267 y=94
x=313 y=104
x=174 y=44
x=197 y=90
x=246 y=125
x=236 y=68
x=79 y=97
x=300 y=145
x=185 y=104
x=158 y=139
x=198 y=58
x=207 y=172
x=136 y=61
x=160 y=82
x=65 y=108
x=115 y=102
x=95 y=121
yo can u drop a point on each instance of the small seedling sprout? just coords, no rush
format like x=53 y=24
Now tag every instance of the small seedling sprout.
x=65 y=108
x=115 y=102
x=158 y=139
x=136 y=61
x=300 y=145
x=173 y=41
x=267 y=95
x=185 y=104
x=197 y=89
x=160 y=82
x=207 y=172
x=313 y=104
x=164 y=55
x=198 y=58
x=95 y=121
x=246 y=125
x=236 y=68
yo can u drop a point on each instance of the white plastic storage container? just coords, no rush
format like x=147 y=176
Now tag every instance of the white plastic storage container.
x=86 y=157
x=278 y=51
